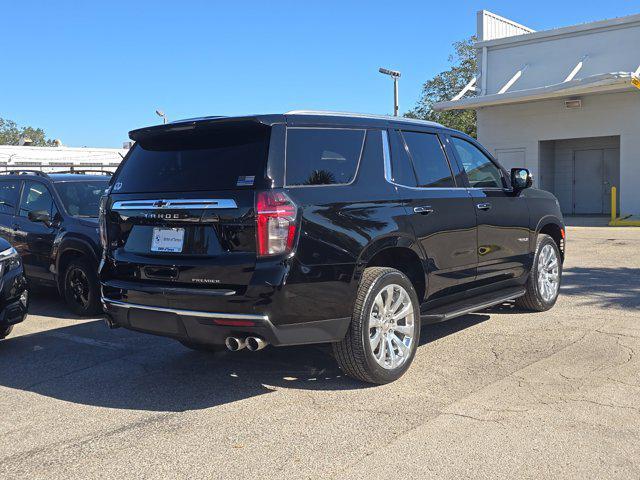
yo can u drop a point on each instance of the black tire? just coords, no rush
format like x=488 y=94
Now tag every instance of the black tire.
x=533 y=300
x=354 y=354
x=201 y=347
x=5 y=331
x=81 y=288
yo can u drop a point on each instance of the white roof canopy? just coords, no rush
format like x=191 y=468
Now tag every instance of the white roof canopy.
x=601 y=83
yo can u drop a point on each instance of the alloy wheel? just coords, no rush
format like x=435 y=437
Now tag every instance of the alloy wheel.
x=392 y=327
x=548 y=273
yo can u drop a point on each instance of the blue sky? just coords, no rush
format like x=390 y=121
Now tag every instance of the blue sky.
x=88 y=72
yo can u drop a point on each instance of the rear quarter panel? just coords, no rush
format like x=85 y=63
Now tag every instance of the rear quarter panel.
x=341 y=225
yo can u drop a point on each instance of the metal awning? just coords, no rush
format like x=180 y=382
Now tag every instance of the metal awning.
x=601 y=83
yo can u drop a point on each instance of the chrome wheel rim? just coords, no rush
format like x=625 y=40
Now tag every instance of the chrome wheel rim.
x=548 y=273
x=391 y=327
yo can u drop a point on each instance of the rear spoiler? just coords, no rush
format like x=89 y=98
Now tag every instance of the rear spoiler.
x=203 y=123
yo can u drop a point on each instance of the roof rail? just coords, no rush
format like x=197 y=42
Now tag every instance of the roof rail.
x=363 y=115
x=84 y=171
x=24 y=171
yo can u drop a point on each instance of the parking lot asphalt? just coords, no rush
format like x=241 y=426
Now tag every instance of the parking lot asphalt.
x=494 y=394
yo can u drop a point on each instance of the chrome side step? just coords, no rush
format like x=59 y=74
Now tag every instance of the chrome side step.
x=470 y=305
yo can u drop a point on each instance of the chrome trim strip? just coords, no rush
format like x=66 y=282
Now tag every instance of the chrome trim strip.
x=386 y=154
x=188 y=313
x=175 y=204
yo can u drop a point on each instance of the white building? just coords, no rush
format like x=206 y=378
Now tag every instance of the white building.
x=51 y=159
x=564 y=103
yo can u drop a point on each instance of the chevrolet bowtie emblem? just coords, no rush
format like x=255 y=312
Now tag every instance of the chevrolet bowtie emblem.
x=160 y=204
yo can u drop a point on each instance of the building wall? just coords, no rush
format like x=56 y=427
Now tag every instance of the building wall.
x=550 y=58
x=524 y=126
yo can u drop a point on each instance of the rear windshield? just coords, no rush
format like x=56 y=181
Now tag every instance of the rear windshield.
x=192 y=160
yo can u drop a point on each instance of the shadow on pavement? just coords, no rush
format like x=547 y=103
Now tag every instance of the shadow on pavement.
x=46 y=301
x=606 y=287
x=436 y=331
x=86 y=363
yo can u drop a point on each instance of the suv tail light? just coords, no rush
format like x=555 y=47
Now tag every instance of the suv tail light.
x=276 y=219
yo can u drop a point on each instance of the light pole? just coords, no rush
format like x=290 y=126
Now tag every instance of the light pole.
x=395 y=75
x=160 y=113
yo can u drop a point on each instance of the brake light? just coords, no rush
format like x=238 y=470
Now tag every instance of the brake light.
x=276 y=223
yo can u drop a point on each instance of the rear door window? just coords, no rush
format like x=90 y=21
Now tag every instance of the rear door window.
x=429 y=160
x=223 y=158
x=402 y=171
x=322 y=156
x=9 y=190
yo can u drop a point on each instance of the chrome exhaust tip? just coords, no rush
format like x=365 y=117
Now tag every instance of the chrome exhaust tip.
x=255 y=343
x=234 y=343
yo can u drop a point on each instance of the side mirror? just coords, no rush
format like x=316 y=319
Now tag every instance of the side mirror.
x=521 y=178
x=40 y=216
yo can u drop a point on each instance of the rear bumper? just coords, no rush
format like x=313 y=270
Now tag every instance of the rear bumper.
x=213 y=327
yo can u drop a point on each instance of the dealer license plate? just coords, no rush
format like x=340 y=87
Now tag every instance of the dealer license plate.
x=168 y=240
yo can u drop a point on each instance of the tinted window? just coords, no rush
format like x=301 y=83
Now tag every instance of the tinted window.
x=227 y=157
x=8 y=196
x=81 y=199
x=401 y=168
x=430 y=163
x=481 y=171
x=36 y=198
x=318 y=156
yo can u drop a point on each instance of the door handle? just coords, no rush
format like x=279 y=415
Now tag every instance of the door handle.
x=484 y=206
x=426 y=210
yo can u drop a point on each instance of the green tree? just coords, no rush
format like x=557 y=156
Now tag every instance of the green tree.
x=445 y=86
x=11 y=133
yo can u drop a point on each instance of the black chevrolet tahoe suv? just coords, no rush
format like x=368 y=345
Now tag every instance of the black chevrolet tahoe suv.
x=52 y=221
x=317 y=227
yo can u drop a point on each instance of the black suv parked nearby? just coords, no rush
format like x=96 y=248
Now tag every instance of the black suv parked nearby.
x=52 y=221
x=314 y=227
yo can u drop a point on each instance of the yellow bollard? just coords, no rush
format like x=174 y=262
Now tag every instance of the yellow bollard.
x=613 y=204
x=620 y=222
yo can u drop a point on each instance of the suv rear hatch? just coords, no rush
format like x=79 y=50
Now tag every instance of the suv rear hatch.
x=181 y=209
